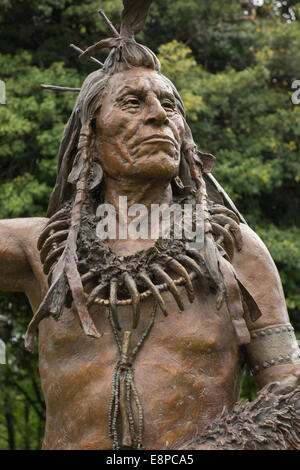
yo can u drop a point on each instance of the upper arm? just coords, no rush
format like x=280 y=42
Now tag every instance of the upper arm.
x=275 y=353
x=258 y=273
x=20 y=268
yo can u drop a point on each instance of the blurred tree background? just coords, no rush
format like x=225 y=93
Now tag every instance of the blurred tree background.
x=233 y=62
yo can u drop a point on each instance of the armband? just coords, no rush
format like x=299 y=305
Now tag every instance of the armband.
x=271 y=346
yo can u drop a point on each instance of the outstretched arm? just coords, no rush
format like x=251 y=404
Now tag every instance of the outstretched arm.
x=20 y=267
x=272 y=337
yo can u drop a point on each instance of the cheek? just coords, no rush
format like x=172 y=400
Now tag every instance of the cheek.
x=177 y=126
x=107 y=126
x=115 y=126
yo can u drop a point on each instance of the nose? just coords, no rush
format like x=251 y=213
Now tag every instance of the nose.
x=155 y=113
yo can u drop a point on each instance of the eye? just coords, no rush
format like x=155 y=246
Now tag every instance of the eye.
x=132 y=102
x=168 y=105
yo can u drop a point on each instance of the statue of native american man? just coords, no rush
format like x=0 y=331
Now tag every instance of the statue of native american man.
x=142 y=341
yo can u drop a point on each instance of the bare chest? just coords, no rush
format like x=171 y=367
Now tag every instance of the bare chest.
x=185 y=371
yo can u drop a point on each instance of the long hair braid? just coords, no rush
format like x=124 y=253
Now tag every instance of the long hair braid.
x=71 y=260
x=207 y=249
x=229 y=287
x=65 y=272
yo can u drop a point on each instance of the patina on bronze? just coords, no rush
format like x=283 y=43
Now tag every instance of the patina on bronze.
x=120 y=365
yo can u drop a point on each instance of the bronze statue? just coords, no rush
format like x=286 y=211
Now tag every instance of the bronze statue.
x=120 y=365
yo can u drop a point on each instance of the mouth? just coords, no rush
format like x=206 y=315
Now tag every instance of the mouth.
x=159 y=138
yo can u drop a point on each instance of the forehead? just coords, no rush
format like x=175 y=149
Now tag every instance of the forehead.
x=138 y=80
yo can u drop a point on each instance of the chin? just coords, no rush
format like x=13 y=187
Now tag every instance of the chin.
x=160 y=166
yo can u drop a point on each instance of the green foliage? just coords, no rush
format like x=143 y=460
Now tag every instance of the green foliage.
x=249 y=387
x=22 y=408
x=23 y=196
x=182 y=69
x=31 y=124
x=283 y=244
x=234 y=73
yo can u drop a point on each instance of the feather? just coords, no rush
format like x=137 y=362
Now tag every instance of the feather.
x=212 y=264
x=58 y=287
x=227 y=199
x=103 y=44
x=133 y=16
x=79 y=299
x=234 y=302
x=252 y=306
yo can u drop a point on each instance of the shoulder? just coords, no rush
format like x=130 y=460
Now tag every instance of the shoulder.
x=18 y=240
x=20 y=266
x=21 y=223
x=254 y=253
x=22 y=229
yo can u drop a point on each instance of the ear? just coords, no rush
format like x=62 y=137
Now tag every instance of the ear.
x=207 y=161
x=96 y=176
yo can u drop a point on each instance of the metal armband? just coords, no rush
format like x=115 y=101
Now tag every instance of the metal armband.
x=272 y=346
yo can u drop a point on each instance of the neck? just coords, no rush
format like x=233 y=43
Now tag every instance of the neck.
x=123 y=195
x=137 y=192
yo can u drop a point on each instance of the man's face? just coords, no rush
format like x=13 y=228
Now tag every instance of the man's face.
x=139 y=128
